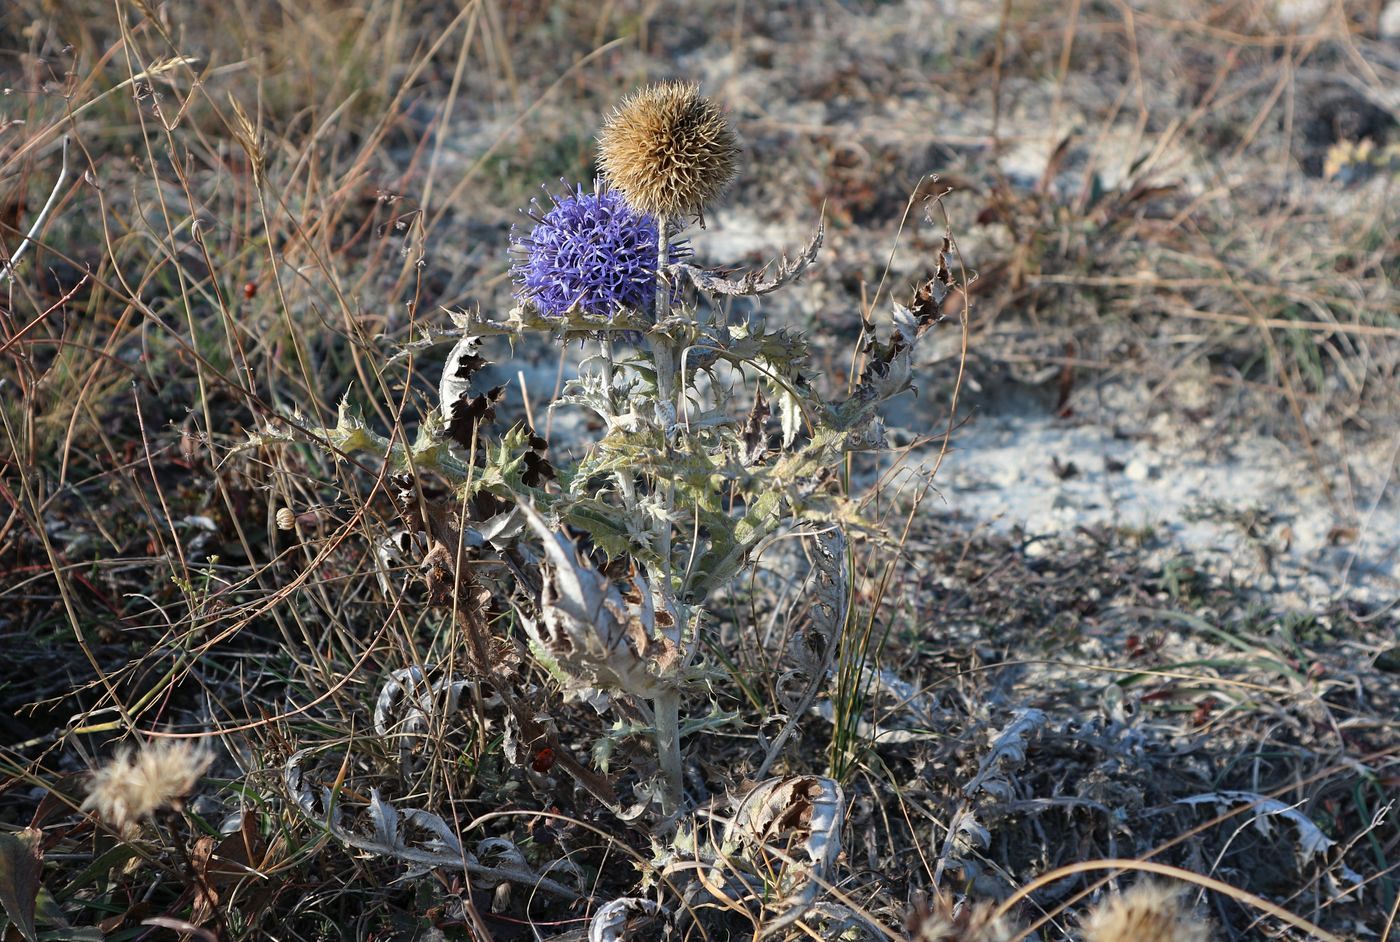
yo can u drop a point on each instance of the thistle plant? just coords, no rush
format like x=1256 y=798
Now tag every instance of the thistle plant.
x=715 y=439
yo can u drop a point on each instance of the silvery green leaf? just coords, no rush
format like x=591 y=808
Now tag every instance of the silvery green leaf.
x=384 y=818
x=970 y=834
x=757 y=283
x=351 y=433
x=597 y=640
x=294 y=779
x=998 y=788
x=502 y=529
x=392 y=694
x=501 y=852
x=1008 y=749
x=966 y=868
x=446 y=837
x=1311 y=840
x=443 y=850
x=609 y=923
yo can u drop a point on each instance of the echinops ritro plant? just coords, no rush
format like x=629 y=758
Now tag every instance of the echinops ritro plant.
x=714 y=439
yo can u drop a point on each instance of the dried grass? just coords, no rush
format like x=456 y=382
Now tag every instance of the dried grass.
x=260 y=198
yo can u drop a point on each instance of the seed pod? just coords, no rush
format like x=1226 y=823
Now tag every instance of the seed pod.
x=668 y=149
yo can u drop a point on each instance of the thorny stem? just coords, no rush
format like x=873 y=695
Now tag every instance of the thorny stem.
x=667 y=708
x=663 y=350
x=624 y=480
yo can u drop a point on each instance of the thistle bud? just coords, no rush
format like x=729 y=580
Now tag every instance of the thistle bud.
x=669 y=150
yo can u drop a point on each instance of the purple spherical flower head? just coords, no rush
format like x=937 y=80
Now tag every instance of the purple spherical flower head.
x=590 y=249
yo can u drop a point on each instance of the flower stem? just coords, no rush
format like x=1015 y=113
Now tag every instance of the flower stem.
x=663 y=352
x=667 y=708
x=624 y=478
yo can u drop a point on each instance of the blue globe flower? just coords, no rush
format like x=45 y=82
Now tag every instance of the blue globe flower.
x=589 y=249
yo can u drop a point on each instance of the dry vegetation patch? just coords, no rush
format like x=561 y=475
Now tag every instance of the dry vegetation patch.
x=217 y=221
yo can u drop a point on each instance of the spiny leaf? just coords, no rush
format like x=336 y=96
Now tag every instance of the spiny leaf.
x=793 y=826
x=891 y=363
x=1008 y=750
x=755 y=283
x=601 y=638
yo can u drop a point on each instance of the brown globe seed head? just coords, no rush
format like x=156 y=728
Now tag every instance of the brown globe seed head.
x=669 y=150
x=974 y=922
x=1147 y=912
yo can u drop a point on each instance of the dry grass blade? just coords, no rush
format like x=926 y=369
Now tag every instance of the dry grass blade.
x=1102 y=581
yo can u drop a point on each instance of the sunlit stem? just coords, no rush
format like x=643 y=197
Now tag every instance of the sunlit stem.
x=664 y=360
x=624 y=478
x=663 y=352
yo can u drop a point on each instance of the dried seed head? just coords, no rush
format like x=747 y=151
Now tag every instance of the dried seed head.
x=1148 y=912
x=286 y=518
x=134 y=785
x=973 y=922
x=669 y=150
